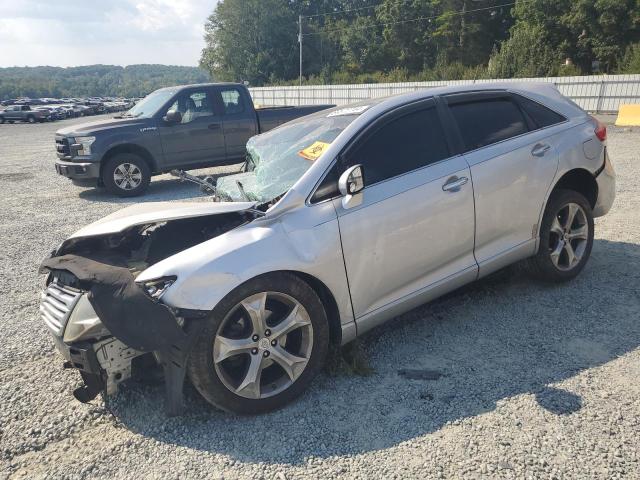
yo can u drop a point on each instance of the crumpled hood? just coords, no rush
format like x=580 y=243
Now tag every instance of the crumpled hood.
x=145 y=213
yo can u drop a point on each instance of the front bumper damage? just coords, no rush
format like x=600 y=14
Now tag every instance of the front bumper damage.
x=105 y=321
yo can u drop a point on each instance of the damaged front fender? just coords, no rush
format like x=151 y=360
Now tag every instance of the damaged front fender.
x=103 y=261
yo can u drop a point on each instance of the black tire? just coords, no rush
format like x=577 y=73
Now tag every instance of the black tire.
x=124 y=159
x=31 y=119
x=541 y=266
x=201 y=368
x=2 y=120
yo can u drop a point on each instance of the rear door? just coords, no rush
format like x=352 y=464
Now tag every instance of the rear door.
x=513 y=163
x=413 y=229
x=239 y=122
x=199 y=139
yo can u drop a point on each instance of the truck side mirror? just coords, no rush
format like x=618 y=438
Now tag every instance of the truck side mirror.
x=173 y=117
x=351 y=185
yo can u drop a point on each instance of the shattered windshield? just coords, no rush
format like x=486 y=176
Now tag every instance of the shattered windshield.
x=277 y=159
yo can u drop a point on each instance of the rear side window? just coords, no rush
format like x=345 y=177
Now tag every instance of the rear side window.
x=232 y=101
x=540 y=115
x=402 y=145
x=485 y=122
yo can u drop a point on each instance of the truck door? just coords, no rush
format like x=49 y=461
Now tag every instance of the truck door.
x=239 y=121
x=198 y=140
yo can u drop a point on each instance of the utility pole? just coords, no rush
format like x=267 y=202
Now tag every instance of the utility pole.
x=300 y=43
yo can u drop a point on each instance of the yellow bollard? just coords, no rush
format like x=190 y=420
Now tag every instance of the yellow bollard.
x=628 y=116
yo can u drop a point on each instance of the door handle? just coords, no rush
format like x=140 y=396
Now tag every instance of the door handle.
x=540 y=149
x=213 y=126
x=454 y=184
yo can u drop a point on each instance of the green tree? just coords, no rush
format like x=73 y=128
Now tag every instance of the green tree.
x=525 y=54
x=251 y=40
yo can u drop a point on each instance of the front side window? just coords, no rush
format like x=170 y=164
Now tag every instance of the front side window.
x=404 y=144
x=193 y=105
x=485 y=122
x=232 y=101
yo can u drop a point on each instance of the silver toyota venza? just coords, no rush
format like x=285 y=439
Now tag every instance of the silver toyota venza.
x=338 y=222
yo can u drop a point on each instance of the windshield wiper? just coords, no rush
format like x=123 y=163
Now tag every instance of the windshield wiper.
x=241 y=189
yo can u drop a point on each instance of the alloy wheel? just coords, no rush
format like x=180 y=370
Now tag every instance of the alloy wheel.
x=127 y=176
x=569 y=236
x=263 y=345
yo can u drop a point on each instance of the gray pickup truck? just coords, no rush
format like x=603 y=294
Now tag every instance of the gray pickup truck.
x=22 y=113
x=185 y=127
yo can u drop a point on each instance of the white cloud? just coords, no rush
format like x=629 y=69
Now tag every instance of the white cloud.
x=120 y=32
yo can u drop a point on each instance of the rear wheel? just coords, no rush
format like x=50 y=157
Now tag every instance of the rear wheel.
x=262 y=345
x=2 y=120
x=126 y=175
x=566 y=238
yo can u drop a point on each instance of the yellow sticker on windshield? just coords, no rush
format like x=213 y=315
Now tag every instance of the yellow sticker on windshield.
x=314 y=151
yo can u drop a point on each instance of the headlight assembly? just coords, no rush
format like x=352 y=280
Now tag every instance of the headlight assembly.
x=156 y=288
x=83 y=145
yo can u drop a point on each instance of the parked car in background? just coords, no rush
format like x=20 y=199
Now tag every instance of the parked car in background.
x=183 y=127
x=343 y=220
x=22 y=113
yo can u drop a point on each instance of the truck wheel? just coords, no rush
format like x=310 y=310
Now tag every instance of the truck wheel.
x=2 y=120
x=566 y=238
x=31 y=119
x=261 y=346
x=126 y=175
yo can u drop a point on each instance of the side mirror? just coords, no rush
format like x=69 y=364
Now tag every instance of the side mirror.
x=351 y=184
x=173 y=117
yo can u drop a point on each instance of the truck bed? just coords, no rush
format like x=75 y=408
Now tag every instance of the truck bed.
x=271 y=117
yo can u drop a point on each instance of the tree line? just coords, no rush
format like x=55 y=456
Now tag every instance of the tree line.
x=94 y=80
x=349 y=41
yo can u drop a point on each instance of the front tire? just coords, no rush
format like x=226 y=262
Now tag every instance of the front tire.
x=262 y=345
x=126 y=175
x=31 y=119
x=566 y=238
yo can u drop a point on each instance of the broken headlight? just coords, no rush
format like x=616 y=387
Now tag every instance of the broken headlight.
x=156 y=288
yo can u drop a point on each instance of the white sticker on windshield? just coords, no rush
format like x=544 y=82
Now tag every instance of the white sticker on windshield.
x=349 y=111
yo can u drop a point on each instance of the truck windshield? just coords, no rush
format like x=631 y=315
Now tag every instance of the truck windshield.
x=277 y=159
x=149 y=105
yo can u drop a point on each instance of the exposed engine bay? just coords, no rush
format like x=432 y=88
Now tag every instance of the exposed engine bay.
x=113 y=320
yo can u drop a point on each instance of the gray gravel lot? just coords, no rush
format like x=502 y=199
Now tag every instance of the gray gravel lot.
x=537 y=381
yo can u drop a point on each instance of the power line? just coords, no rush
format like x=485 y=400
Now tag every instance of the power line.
x=338 y=12
x=419 y=19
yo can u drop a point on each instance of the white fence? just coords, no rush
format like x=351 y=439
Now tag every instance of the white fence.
x=595 y=93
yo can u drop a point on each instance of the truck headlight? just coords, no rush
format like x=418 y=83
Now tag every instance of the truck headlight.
x=157 y=287
x=83 y=145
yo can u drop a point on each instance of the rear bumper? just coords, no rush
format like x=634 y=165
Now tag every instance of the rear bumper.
x=606 y=180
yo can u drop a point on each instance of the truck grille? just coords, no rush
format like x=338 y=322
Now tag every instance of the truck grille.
x=56 y=304
x=62 y=146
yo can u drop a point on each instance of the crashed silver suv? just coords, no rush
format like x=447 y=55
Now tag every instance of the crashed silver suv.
x=340 y=221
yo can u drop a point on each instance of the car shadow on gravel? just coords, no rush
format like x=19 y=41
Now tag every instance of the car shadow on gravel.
x=503 y=336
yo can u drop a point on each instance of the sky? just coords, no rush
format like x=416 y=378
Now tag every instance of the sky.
x=115 y=32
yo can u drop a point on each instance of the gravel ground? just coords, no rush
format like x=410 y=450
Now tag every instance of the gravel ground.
x=515 y=380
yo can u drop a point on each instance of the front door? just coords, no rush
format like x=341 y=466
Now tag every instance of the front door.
x=198 y=140
x=415 y=226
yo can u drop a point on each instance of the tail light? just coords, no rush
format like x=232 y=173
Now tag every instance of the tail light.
x=601 y=130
